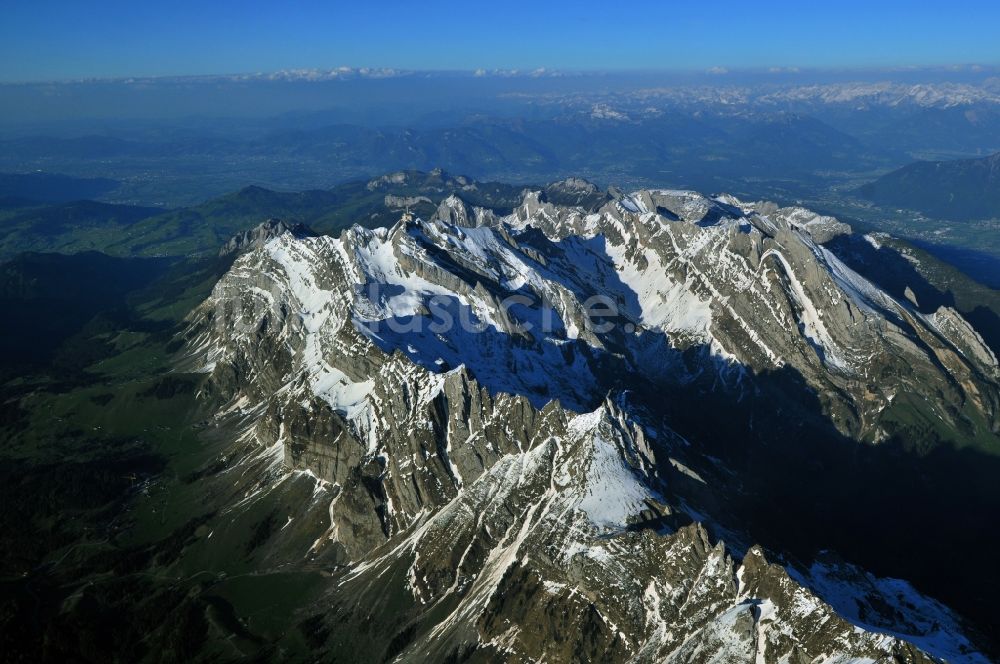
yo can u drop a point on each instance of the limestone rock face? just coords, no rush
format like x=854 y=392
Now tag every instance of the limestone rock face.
x=479 y=402
x=403 y=202
x=258 y=236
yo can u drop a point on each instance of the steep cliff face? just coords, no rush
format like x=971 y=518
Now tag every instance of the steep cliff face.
x=565 y=553
x=478 y=402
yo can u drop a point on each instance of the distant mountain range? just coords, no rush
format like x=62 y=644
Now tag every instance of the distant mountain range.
x=593 y=140
x=751 y=139
x=961 y=189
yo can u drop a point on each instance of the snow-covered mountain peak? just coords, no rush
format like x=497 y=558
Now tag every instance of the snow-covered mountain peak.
x=612 y=466
x=555 y=302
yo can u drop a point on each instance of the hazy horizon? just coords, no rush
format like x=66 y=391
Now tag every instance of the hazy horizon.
x=375 y=96
x=59 y=40
x=715 y=74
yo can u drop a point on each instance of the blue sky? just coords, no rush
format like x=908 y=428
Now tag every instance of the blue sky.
x=57 y=39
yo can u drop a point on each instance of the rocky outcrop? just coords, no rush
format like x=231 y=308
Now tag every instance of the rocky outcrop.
x=259 y=235
x=402 y=202
x=576 y=192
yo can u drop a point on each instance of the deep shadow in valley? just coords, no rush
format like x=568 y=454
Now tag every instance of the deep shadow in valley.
x=80 y=443
x=924 y=516
x=51 y=299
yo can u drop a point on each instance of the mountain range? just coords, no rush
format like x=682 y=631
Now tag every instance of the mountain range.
x=424 y=418
x=529 y=491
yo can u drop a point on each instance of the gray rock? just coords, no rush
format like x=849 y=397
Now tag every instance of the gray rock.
x=480 y=494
